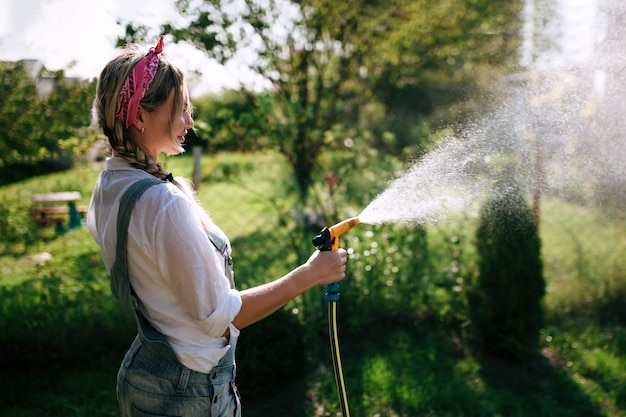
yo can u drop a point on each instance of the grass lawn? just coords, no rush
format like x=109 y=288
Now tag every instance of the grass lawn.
x=392 y=367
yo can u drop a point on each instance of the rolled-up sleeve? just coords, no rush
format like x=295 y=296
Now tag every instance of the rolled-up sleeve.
x=194 y=268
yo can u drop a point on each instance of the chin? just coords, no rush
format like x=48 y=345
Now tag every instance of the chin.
x=175 y=151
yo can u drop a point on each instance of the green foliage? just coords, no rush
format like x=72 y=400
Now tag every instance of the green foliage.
x=429 y=60
x=67 y=115
x=41 y=128
x=282 y=361
x=389 y=274
x=61 y=318
x=18 y=230
x=349 y=178
x=233 y=122
x=19 y=114
x=403 y=345
x=378 y=67
x=59 y=307
x=506 y=307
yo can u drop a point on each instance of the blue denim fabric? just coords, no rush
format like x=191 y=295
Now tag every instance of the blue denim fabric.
x=149 y=385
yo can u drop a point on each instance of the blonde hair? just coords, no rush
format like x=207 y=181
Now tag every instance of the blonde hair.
x=168 y=78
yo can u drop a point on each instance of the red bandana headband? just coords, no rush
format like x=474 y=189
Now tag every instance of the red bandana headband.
x=136 y=85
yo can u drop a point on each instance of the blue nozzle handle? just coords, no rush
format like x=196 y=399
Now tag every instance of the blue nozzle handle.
x=332 y=291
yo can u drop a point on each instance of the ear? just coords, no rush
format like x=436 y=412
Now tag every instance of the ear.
x=139 y=122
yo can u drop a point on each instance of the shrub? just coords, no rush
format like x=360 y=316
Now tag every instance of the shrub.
x=387 y=274
x=16 y=228
x=505 y=303
x=271 y=351
x=51 y=318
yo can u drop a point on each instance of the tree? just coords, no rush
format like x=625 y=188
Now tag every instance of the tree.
x=329 y=62
x=438 y=56
x=20 y=114
x=505 y=304
x=66 y=113
x=68 y=107
x=41 y=130
x=309 y=65
x=235 y=122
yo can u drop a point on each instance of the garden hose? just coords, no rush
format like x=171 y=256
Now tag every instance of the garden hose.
x=334 y=350
x=327 y=240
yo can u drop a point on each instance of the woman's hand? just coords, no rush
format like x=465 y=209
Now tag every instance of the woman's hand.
x=326 y=267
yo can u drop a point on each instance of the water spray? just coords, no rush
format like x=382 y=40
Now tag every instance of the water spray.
x=327 y=240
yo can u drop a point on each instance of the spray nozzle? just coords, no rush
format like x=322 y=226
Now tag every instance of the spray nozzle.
x=328 y=238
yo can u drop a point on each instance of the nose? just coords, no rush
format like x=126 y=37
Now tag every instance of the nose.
x=188 y=120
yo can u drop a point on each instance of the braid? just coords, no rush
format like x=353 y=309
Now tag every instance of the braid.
x=136 y=157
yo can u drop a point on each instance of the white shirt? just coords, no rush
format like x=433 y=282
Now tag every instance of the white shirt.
x=176 y=272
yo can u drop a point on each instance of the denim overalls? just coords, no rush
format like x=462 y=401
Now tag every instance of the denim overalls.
x=151 y=381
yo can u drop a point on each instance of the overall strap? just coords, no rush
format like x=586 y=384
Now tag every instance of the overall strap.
x=222 y=246
x=120 y=284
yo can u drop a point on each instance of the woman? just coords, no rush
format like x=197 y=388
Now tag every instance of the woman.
x=170 y=265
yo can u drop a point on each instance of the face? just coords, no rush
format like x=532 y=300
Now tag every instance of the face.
x=157 y=137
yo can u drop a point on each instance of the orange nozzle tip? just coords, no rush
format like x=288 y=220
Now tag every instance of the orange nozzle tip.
x=342 y=227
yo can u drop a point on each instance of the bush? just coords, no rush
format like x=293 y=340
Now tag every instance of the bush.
x=49 y=319
x=19 y=171
x=271 y=351
x=505 y=304
x=16 y=228
x=387 y=274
